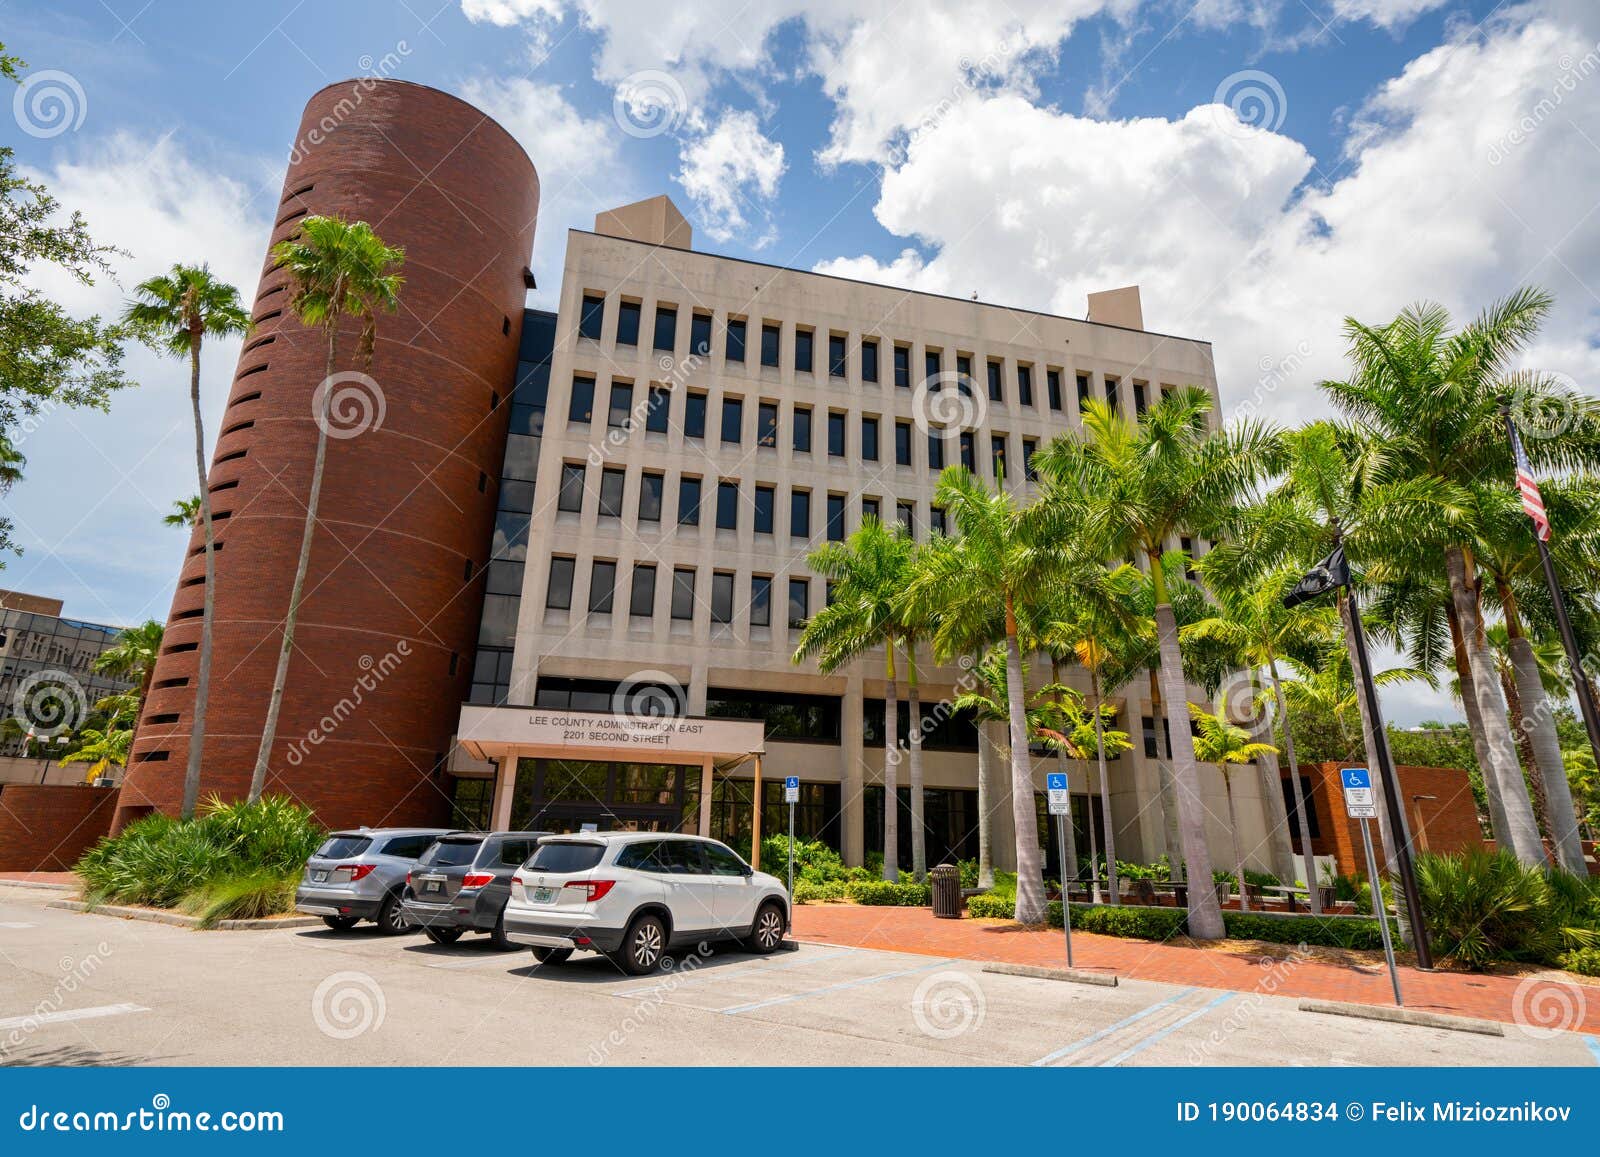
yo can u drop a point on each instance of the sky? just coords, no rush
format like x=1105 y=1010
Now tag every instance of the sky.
x=1261 y=169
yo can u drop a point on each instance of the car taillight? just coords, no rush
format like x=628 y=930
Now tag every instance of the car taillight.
x=518 y=881
x=477 y=880
x=596 y=888
x=408 y=879
x=356 y=871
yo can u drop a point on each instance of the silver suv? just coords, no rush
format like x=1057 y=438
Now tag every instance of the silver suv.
x=360 y=875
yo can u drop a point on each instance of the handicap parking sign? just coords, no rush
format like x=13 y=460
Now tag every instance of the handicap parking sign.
x=791 y=789
x=1055 y=784
x=1358 y=801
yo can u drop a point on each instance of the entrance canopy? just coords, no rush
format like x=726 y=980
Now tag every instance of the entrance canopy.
x=498 y=733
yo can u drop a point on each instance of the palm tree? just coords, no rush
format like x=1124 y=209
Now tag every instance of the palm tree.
x=185 y=513
x=1228 y=745
x=133 y=658
x=869 y=570
x=1143 y=486
x=176 y=312
x=101 y=749
x=337 y=269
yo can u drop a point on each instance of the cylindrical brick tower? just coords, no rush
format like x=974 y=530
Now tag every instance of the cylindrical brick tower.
x=388 y=624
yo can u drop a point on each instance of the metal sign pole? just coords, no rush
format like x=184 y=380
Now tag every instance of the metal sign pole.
x=1379 y=908
x=1066 y=907
x=791 y=847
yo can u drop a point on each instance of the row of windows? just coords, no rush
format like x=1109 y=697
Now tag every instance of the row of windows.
x=641 y=593
x=803 y=352
x=658 y=415
x=691 y=494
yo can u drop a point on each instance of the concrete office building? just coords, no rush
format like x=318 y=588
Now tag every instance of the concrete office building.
x=585 y=530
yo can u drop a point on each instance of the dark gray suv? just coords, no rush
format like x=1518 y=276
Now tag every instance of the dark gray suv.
x=462 y=882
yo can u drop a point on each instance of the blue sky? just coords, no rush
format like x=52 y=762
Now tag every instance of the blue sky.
x=1261 y=169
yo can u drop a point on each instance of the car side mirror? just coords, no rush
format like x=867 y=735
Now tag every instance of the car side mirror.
x=747 y=872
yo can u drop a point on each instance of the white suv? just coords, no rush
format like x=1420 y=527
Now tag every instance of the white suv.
x=634 y=895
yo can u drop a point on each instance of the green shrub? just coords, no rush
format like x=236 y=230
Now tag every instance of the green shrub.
x=806 y=891
x=245 y=897
x=991 y=906
x=1582 y=960
x=1486 y=906
x=1330 y=932
x=1134 y=921
x=814 y=860
x=969 y=872
x=881 y=893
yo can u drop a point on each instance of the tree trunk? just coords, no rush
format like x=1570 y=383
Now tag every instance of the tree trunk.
x=1024 y=812
x=1522 y=832
x=1548 y=768
x=919 y=829
x=1269 y=772
x=1169 y=800
x=202 y=682
x=1096 y=896
x=1105 y=793
x=1527 y=759
x=1302 y=814
x=1233 y=831
x=891 y=761
x=1205 y=914
x=280 y=677
x=1469 y=707
x=985 y=806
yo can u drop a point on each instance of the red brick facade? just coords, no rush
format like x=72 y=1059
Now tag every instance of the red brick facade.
x=386 y=633
x=46 y=828
x=1448 y=822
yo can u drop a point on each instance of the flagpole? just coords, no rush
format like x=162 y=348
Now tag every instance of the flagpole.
x=1569 y=641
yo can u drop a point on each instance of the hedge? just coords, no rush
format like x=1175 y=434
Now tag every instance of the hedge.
x=1582 y=960
x=881 y=893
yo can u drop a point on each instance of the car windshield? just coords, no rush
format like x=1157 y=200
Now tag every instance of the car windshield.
x=566 y=857
x=341 y=847
x=450 y=853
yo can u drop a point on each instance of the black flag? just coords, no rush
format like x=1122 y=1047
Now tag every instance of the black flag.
x=1319 y=580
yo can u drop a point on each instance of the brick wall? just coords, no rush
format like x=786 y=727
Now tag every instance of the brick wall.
x=1448 y=822
x=46 y=828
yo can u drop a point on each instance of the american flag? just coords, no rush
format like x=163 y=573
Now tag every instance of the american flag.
x=1532 y=501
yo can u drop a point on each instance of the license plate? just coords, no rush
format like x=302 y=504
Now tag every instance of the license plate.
x=544 y=895
x=433 y=885
x=319 y=877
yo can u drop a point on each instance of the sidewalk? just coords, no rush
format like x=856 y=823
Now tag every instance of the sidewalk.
x=916 y=930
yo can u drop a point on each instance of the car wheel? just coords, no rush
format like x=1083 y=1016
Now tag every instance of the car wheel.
x=643 y=946
x=341 y=923
x=442 y=935
x=392 y=919
x=552 y=955
x=497 y=935
x=767 y=932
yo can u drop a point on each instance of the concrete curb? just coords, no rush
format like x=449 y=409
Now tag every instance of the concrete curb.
x=1405 y=1016
x=39 y=885
x=1076 y=975
x=178 y=920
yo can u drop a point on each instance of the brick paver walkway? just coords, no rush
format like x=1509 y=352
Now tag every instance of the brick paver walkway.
x=1545 y=1001
x=41 y=877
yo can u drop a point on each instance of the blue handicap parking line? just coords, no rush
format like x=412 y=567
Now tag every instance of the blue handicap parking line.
x=1109 y=1029
x=1594 y=1048
x=840 y=987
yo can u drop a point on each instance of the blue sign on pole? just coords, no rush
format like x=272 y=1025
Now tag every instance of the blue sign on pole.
x=1060 y=802
x=791 y=789
x=1357 y=777
x=1056 y=781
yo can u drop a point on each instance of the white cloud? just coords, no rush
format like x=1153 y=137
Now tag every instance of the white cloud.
x=1384 y=13
x=730 y=171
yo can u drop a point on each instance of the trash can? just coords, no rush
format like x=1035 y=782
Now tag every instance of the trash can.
x=946 y=883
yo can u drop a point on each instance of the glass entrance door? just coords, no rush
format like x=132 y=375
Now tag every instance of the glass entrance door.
x=562 y=795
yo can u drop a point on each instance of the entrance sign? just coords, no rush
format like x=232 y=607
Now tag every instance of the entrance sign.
x=1056 y=788
x=1359 y=803
x=791 y=789
x=491 y=732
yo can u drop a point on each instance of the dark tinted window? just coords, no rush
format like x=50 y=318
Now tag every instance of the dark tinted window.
x=688 y=501
x=836 y=518
x=799 y=603
x=700 y=334
x=611 y=483
x=869 y=439
x=694 y=415
x=602 y=587
x=935 y=450
x=996 y=391
x=343 y=847
x=565 y=857
x=451 y=852
x=1025 y=385
x=628 y=323
x=677 y=858
x=931 y=367
x=1052 y=385
x=512 y=853
x=869 y=361
x=767 y=424
x=592 y=317
x=571 y=496
x=619 y=415
x=802 y=429
x=765 y=498
x=836 y=356
x=735 y=350
x=642 y=602
x=659 y=410
x=580 y=410
x=727 y=505
x=835 y=434
x=683 y=594
x=800 y=514
x=803 y=339
x=902 y=366
x=559 y=595
x=732 y=419
x=769 y=345
x=902 y=443
x=405 y=847
x=722 y=597
x=650 y=486
x=906 y=512
x=637 y=856
x=666 y=327
x=760 y=600
x=721 y=861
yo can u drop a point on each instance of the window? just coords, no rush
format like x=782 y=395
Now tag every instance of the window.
x=722 y=596
x=602 y=586
x=658 y=410
x=727 y=505
x=871 y=509
x=932 y=366
x=570 y=498
x=628 y=323
x=732 y=419
x=1083 y=392
x=935 y=450
x=1025 y=385
x=1052 y=386
x=767 y=424
x=666 y=328
x=1029 y=447
x=800 y=514
x=964 y=374
x=580 y=410
x=694 y=415
x=683 y=594
x=969 y=453
x=760 y=600
x=642 y=599
x=611 y=482
x=803 y=342
x=558 y=596
x=620 y=414
x=836 y=433
x=902 y=366
x=869 y=361
x=802 y=429
x=997 y=455
x=936 y=520
x=766 y=496
x=869 y=439
x=592 y=317
x=688 y=501
x=1111 y=395
x=906 y=514
x=799 y=603
x=769 y=345
x=566 y=857
x=721 y=861
x=812 y=718
x=700 y=335
x=734 y=351
x=997 y=391
x=836 y=518
x=1138 y=398
x=650 y=488
x=836 y=355
x=902 y=443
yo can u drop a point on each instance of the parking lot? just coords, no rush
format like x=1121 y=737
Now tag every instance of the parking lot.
x=88 y=989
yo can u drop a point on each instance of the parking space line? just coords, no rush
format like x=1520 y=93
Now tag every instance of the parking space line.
x=702 y=977
x=1162 y=1034
x=1092 y=1038
x=840 y=987
x=9 y=924
x=70 y=1014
